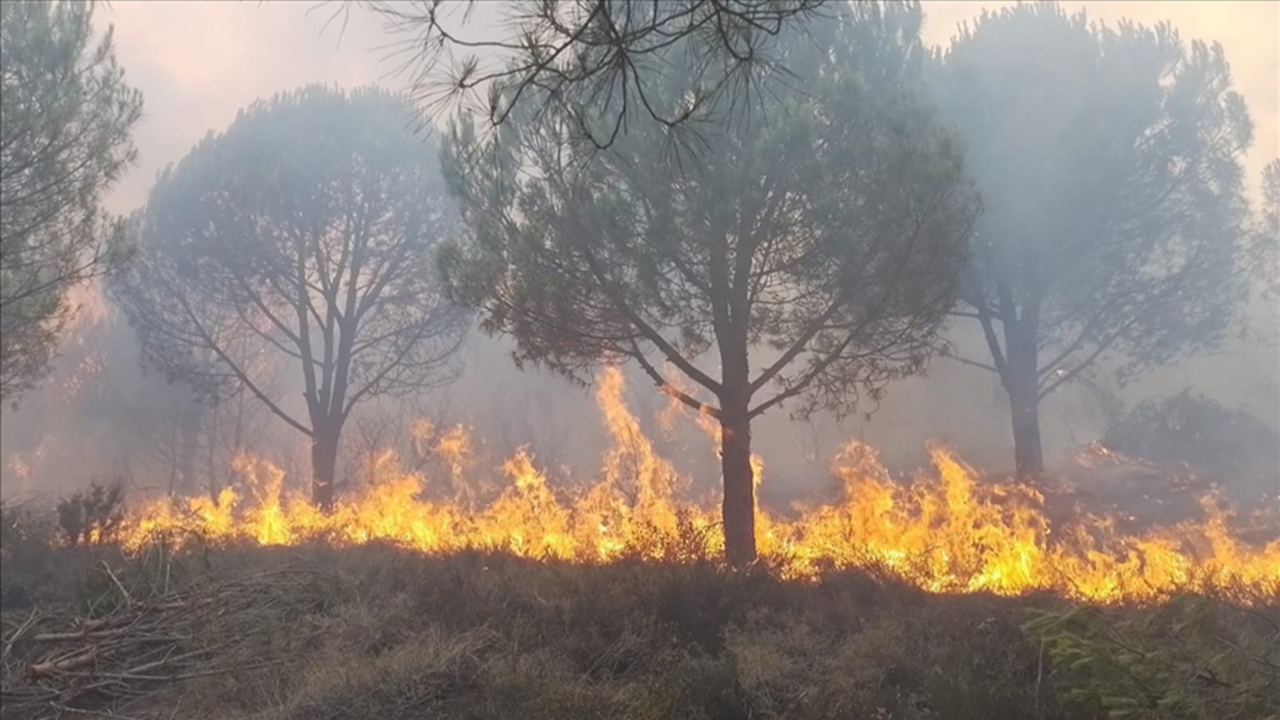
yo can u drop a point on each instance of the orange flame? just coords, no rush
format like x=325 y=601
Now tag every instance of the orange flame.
x=943 y=533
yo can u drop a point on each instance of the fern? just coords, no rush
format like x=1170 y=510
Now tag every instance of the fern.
x=1174 y=663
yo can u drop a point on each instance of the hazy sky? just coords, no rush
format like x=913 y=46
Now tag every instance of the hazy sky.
x=198 y=63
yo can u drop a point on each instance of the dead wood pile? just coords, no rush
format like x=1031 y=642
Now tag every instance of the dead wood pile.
x=140 y=636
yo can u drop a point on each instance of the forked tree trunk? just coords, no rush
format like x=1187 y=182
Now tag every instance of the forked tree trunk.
x=324 y=461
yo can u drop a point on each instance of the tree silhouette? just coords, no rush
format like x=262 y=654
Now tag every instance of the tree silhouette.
x=1109 y=165
x=809 y=254
x=307 y=229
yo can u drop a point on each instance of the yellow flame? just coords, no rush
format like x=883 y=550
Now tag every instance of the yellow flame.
x=453 y=446
x=945 y=532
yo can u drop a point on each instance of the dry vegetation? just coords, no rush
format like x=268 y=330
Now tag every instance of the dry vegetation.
x=318 y=633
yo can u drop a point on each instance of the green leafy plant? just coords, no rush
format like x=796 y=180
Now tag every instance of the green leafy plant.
x=1190 y=659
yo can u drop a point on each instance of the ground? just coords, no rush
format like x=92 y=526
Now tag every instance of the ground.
x=323 y=633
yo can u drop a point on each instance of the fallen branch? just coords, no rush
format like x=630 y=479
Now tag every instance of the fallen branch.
x=140 y=638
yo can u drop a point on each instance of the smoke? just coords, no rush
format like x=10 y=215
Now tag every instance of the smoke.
x=98 y=415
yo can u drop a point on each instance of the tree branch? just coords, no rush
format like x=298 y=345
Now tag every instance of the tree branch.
x=671 y=390
x=652 y=335
x=240 y=374
x=974 y=363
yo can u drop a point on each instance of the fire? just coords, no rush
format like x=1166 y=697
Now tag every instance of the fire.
x=946 y=532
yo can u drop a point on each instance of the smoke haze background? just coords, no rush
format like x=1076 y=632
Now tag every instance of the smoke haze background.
x=198 y=63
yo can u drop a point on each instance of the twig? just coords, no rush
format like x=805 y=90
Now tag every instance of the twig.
x=35 y=617
x=131 y=647
x=125 y=593
x=93 y=713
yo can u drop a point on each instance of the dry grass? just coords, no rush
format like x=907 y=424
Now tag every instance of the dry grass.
x=375 y=632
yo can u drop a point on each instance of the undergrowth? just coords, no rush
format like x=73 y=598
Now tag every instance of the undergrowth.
x=377 y=632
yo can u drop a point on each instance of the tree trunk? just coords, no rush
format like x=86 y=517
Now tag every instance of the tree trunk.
x=211 y=456
x=190 y=438
x=739 y=508
x=1024 y=406
x=1027 y=451
x=324 y=461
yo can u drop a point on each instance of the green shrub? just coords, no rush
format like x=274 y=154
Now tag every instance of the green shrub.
x=92 y=518
x=24 y=553
x=1196 y=430
x=1190 y=659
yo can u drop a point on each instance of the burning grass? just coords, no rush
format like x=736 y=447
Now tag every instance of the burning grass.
x=945 y=532
x=943 y=597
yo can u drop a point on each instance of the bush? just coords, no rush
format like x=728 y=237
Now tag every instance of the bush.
x=1191 y=429
x=25 y=533
x=12 y=528
x=92 y=518
x=1188 y=660
x=374 y=631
